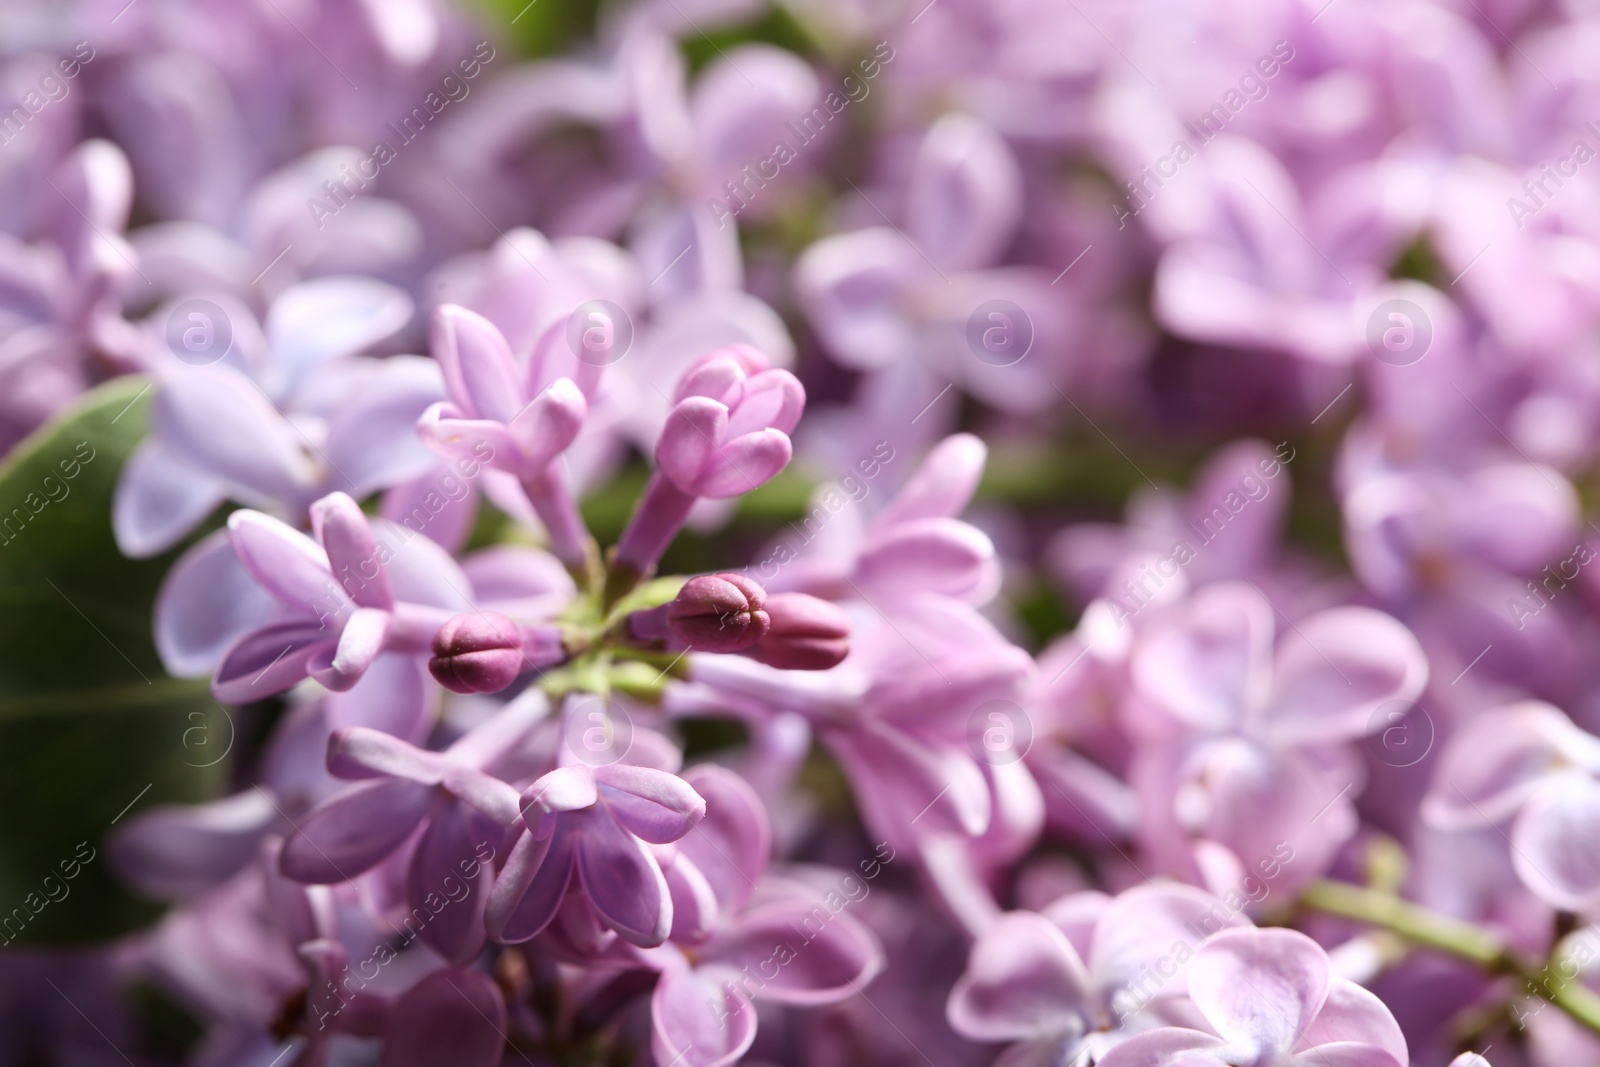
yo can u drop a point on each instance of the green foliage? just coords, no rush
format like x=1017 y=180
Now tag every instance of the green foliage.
x=90 y=725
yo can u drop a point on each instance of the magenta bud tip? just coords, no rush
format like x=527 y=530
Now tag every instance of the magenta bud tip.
x=477 y=652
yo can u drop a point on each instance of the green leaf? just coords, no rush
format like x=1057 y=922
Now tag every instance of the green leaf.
x=91 y=728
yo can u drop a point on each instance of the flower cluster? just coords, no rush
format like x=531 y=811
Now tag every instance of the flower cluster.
x=817 y=533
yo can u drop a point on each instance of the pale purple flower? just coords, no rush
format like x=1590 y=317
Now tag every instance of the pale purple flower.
x=1528 y=765
x=913 y=543
x=279 y=419
x=61 y=324
x=464 y=810
x=728 y=433
x=1261 y=721
x=1086 y=973
x=497 y=418
x=1269 y=996
x=338 y=609
x=592 y=827
x=740 y=934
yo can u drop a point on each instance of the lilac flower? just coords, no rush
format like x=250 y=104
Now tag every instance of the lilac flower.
x=462 y=807
x=914 y=543
x=886 y=294
x=1529 y=765
x=494 y=418
x=895 y=713
x=61 y=327
x=745 y=934
x=1270 y=996
x=1086 y=973
x=1256 y=758
x=1262 y=269
x=339 y=611
x=280 y=419
x=728 y=433
x=593 y=824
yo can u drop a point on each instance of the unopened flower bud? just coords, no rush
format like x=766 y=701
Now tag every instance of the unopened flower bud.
x=719 y=613
x=477 y=652
x=805 y=633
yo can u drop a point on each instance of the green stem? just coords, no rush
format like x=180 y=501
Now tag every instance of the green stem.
x=1463 y=940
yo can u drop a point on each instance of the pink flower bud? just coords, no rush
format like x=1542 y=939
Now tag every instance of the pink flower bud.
x=477 y=652
x=719 y=613
x=805 y=633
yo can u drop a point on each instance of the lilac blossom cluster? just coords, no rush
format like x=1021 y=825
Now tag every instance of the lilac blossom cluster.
x=1289 y=755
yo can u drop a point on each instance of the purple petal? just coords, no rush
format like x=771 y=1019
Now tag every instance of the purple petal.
x=746 y=463
x=522 y=583
x=447 y=905
x=698 y=1021
x=690 y=439
x=1260 y=988
x=1499 y=759
x=945 y=556
x=420 y=571
x=942 y=485
x=1023 y=980
x=1137 y=929
x=178 y=850
x=1352 y=1014
x=479 y=370
x=372 y=437
x=438 y=503
x=268 y=661
x=549 y=423
x=850 y=286
x=448 y=431
x=531 y=887
x=654 y=805
x=159 y=499
x=1210 y=661
x=395 y=696
x=622 y=879
x=207 y=601
x=732 y=844
x=1554 y=841
x=330 y=317
x=695 y=913
x=346 y=537
x=357 y=752
x=489 y=795
x=290 y=565
x=965 y=198
x=218 y=420
x=1167 y=1047
x=741 y=101
x=360 y=641
x=820 y=954
x=563 y=789
x=354 y=831
x=454 y=1017
x=1333 y=671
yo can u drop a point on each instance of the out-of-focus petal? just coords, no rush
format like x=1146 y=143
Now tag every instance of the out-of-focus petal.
x=1260 y=988
x=354 y=831
x=1023 y=980
x=698 y=1021
x=451 y=1016
x=159 y=499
